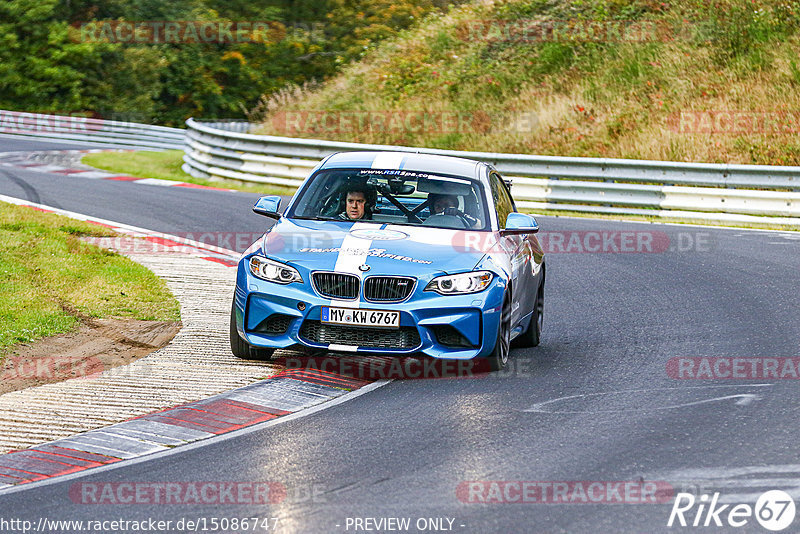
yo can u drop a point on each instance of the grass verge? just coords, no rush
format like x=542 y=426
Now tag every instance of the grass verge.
x=166 y=165
x=52 y=280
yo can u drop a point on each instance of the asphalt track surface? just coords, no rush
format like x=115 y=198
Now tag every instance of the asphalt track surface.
x=613 y=321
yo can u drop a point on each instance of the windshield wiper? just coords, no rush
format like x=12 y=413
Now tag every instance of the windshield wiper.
x=320 y=218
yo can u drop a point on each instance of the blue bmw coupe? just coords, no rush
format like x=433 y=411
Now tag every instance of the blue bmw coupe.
x=397 y=254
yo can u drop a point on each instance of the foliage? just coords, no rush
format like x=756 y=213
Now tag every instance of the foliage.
x=51 y=59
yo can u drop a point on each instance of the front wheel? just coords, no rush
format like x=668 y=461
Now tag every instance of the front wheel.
x=498 y=359
x=240 y=348
x=533 y=335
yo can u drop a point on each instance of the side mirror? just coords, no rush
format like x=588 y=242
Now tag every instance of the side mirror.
x=520 y=223
x=268 y=206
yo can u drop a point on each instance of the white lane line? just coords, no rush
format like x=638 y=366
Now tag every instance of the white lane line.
x=745 y=399
x=735 y=485
x=157 y=181
x=200 y=443
x=46 y=167
x=93 y=175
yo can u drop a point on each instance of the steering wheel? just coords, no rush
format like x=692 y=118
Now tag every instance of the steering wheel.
x=445 y=220
x=330 y=206
x=455 y=212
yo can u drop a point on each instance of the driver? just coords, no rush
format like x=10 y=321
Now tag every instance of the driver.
x=439 y=203
x=443 y=204
x=359 y=201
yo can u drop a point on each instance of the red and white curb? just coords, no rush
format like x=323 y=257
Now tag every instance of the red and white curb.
x=286 y=393
x=67 y=163
x=190 y=368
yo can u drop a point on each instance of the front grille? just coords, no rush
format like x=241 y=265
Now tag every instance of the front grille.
x=405 y=337
x=388 y=288
x=449 y=336
x=275 y=324
x=336 y=285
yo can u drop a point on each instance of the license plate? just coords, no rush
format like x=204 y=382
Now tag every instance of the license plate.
x=385 y=319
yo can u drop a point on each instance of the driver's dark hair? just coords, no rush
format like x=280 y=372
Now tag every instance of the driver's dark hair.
x=435 y=197
x=369 y=191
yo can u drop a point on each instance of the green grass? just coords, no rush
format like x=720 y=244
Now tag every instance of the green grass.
x=167 y=166
x=51 y=279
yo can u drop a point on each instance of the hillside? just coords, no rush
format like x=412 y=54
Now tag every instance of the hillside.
x=683 y=81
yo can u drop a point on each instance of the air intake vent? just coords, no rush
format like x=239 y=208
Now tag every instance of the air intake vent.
x=274 y=325
x=404 y=338
x=450 y=337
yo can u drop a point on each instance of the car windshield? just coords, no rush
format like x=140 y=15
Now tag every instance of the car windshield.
x=394 y=197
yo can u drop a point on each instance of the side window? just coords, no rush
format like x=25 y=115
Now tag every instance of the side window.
x=502 y=199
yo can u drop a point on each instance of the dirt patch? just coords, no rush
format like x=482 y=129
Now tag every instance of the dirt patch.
x=96 y=346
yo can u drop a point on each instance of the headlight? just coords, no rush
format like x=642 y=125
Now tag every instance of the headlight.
x=273 y=271
x=460 y=284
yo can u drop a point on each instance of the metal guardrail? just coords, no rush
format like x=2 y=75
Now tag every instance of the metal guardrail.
x=86 y=130
x=691 y=191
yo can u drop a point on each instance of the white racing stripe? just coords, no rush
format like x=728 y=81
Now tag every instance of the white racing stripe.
x=429 y=235
x=388 y=161
x=353 y=254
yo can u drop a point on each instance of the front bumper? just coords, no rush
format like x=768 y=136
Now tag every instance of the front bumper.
x=453 y=327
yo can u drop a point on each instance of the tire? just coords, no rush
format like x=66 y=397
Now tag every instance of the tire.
x=533 y=335
x=240 y=348
x=498 y=359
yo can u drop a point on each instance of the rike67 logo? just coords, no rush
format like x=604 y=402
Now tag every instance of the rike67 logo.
x=774 y=510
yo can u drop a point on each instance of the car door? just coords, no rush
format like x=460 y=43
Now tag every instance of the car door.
x=516 y=246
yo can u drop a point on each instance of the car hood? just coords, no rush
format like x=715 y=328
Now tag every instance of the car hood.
x=387 y=249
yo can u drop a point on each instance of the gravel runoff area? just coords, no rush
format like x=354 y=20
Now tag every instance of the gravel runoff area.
x=195 y=365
